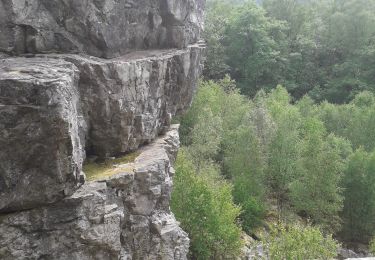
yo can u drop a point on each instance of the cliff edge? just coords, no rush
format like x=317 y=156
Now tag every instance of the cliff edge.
x=93 y=81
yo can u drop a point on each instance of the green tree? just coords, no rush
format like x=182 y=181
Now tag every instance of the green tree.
x=347 y=28
x=372 y=246
x=203 y=204
x=206 y=137
x=354 y=121
x=220 y=129
x=242 y=159
x=284 y=149
x=217 y=19
x=252 y=47
x=211 y=96
x=243 y=163
x=316 y=192
x=359 y=191
x=321 y=48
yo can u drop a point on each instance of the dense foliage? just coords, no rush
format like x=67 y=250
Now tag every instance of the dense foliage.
x=290 y=139
x=372 y=246
x=304 y=158
x=202 y=202
x=298 y=242
x=320 y=47
x=359 y=204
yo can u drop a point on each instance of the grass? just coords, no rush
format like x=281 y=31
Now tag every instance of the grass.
x=97 y=171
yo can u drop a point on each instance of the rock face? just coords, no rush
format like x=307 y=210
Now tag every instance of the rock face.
x=41 y=154
x=128 y=101
x=102 y=28
x=99 y=78
x=125 y=216
x=56 y=107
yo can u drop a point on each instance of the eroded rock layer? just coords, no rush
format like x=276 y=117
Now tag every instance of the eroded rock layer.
x=40 y=150
x=101 y=78
x=102 y=28
x=124 y=216
x=54 y=108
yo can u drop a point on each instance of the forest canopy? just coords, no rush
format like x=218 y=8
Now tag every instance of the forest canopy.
x=323 y=48
x=280 y=136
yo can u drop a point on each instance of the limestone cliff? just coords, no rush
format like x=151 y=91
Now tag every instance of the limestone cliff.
x=103 y=28
x=123 y=216
x=93 y=79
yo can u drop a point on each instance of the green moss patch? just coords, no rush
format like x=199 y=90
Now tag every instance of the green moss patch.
x=97 y=171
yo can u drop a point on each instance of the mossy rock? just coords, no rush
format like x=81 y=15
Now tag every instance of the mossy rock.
x=101 y=170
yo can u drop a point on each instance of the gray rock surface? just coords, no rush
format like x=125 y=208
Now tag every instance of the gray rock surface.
x=54 y=108
x=40 y=151
x=129 y=100
x=345 y=253
x=101 y=78
x=102 y=28
x=125 y=216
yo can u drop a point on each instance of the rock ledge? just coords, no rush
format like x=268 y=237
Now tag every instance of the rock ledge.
x=125 y=216
x=56 y=108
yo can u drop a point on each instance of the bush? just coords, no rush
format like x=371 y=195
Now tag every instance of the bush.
x=252 y=214
x=299 y=242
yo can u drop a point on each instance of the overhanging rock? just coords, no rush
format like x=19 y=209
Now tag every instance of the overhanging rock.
x=53 y=108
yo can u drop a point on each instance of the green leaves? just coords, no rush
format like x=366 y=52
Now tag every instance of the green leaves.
x=251 y=47
x=299 y=243
x=316 y=191
x=284 y=148
x=372 y=246
x=297 y=158
x=359 y=192
x=203 y=204
x=321 y=48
